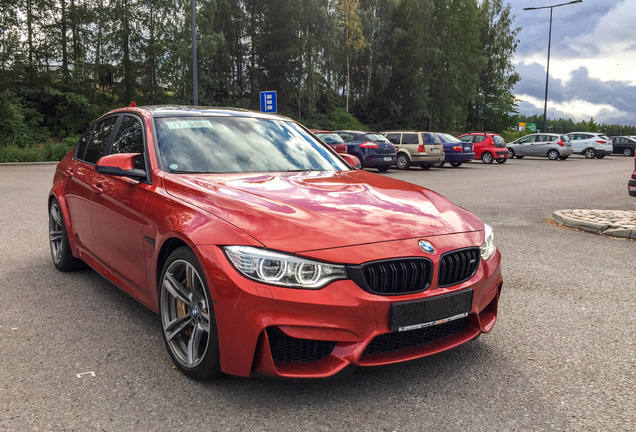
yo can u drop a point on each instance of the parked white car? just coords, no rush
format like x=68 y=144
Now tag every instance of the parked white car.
x=590 y=144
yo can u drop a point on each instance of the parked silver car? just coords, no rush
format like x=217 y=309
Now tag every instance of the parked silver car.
x=590 y=144
x=552 y=146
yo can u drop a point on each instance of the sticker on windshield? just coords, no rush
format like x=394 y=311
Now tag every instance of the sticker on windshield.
x=189 y=124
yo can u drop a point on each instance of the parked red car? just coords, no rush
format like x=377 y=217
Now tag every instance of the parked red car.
x=263 y=252
x=332 y=139
x=487 y=146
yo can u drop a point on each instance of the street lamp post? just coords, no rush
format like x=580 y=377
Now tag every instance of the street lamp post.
x=195 y=83
x=547 y=71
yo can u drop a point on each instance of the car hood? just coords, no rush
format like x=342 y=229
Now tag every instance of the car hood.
x=300 y=212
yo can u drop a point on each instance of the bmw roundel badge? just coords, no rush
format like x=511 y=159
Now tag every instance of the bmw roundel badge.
x=426 y=246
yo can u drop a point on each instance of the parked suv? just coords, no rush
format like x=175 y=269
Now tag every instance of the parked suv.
x=554 y=146
x=590 y=144
x=371 y=148
x=422 y=148
x=487 y=146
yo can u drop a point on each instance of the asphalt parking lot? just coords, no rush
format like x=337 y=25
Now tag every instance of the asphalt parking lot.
x=77 y=354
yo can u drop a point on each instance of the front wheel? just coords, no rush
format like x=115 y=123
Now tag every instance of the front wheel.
x=187 y=317
x=600 y=156
x=439 y=164
x=511 y=153
x=501 y=161
x=563 y=157
x=403 y=162
x=383 y=168
x=63 y=258
x=628 y=152
x=589 y=153
x=487 y=158
x=455 y=164
x=553 y=155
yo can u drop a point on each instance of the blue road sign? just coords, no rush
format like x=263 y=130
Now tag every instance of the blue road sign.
x=268 y=101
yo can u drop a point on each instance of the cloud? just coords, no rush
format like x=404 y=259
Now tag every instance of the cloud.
x=592 y=61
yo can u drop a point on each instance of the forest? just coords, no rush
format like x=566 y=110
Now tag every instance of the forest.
x=375 y=64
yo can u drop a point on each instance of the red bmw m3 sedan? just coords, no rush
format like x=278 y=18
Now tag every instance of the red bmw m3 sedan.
x=263 y=251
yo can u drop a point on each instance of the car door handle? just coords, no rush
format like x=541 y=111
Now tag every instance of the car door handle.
x=98 y=188
x=69 y=172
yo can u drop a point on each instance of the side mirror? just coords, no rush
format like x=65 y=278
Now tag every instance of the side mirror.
x=351 y=160
x=121 y=164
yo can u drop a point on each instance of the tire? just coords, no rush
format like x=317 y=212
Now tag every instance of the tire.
x=511 y=153
x=403 y=162
x=187 y=316
x=501 y=161
x=455 y=164
x=600 y=156
x=589 y=153
x=628 y=152
x=439 y=164
x=487 y=158
x=383 y=168
x=520 y=157
x=61 y=254
x=426 y=166
x=553 y=154
x=563 y=157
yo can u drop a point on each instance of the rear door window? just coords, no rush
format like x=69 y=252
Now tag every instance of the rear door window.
x=410 y=138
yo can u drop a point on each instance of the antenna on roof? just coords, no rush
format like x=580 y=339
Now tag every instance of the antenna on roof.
x=133 y=104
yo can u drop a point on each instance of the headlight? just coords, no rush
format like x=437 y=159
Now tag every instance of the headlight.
x=275 y=268
x=488 y=248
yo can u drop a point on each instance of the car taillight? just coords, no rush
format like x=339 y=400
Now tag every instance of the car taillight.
x=560 y=143
x=420 y=148
x=458 y=148
x=601 y=142
x=369 y=144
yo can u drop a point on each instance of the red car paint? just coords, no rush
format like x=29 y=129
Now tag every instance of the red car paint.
x=124 y=229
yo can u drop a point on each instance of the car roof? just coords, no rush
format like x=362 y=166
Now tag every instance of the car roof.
x=190 y=111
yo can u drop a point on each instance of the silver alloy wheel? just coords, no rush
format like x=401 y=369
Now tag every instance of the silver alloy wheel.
x=512 y=153
x=403 y=161
x=185 y=313
x=487 y=158
x=590 y=153
x=553 y=155
x=627 y=152
x=56 y=233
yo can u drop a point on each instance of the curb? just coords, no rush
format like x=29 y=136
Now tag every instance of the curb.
x=592 y=226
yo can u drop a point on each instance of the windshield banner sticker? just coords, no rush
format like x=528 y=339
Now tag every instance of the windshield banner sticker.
x=191 y=124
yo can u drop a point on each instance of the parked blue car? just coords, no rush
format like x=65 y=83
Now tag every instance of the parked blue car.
x=373 y=150
x=457 y=152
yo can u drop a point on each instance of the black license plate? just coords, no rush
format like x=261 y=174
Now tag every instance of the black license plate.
x=416 y=314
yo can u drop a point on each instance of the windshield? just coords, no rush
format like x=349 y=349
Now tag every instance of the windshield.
x=330 y=138
x=448 y=138
x=239 y=144
x=375 y=138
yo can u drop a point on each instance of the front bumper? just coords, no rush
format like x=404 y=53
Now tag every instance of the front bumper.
x=274 y=331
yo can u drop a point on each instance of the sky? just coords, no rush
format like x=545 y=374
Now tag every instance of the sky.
x=592 y=60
